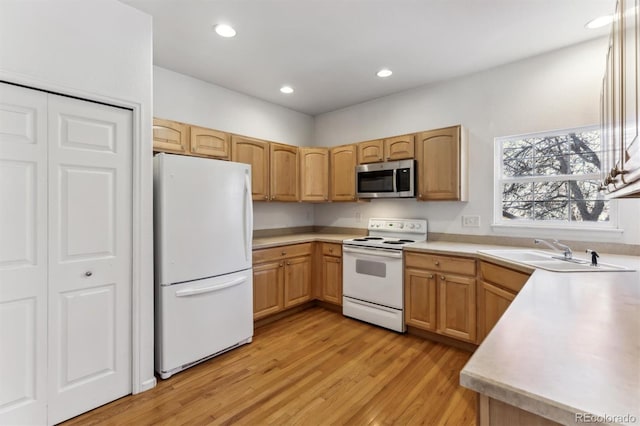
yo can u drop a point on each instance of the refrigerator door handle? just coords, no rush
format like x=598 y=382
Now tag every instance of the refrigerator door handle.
x=193 y=291
x=248 y=215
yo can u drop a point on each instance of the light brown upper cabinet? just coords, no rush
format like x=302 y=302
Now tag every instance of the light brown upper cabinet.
x=442 y=164
x=314 y=174
x=256 y=153
x=620 y=112
x=390 y=149
x=210 y=143
x=343 y=162
x=179 y=138
x=284 y=172
x=399 y=148
x=371 y=151
x=170 y=136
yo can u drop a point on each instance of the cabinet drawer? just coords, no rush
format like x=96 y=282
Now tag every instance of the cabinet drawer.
x=281 y=252
x=330 y=249
x=504 y=277
x=431 y=262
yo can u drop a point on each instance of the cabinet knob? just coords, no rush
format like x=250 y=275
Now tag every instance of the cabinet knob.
x=330 y=249
x=88 y=274
x=288 y=263
x=437 y=263
x=266 y=197
x=283 y=253
x=281 y=264
x=431 y=276
x=443 y=278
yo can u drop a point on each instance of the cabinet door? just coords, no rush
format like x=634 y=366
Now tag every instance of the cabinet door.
x=399 y=148
x=492 y=303
x=631 y=92
x=256 y=153
x=314 y=174
x=268 y=289
x=457 y=307
x=332 y=279
x=297 y=281
x=438 y=156
x=210 y=143
x=170 y=136
x=420 y=299
x=343 y=173
x=284 y=172
x=371 y=152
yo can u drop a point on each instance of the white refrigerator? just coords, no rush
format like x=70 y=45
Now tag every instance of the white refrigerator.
x=203 y=222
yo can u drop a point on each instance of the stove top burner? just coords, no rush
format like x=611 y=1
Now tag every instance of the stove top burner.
x=373 y=238
x=393 y=242
x=359 y=239
x=407 y=241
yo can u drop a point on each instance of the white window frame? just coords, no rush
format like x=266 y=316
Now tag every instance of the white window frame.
x=498 y=180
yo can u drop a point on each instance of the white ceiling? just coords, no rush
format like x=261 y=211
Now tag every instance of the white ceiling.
x=330 y=50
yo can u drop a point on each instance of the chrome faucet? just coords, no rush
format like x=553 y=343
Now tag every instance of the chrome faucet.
x=556 y=245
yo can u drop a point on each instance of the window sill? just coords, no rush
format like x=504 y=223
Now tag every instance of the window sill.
x=556 y=230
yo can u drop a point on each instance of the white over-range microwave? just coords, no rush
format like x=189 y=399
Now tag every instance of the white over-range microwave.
x=393 y=179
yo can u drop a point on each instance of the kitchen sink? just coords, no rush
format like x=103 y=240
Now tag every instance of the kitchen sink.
x=551 y=261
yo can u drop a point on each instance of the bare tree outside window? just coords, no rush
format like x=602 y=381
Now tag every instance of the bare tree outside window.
x=552 y=177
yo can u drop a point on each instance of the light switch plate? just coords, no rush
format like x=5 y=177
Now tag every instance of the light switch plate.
x=470 y=221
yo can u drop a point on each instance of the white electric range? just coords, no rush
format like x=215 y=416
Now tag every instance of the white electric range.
x=372 y=271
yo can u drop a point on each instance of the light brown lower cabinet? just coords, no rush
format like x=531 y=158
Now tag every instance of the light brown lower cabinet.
x=331 y=273
x=492 y=412
x=297 y=280
x=281 y=278
x=497 y=287
x=440 y=294
x=268 y=292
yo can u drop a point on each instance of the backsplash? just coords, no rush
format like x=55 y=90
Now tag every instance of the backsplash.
x=273 y=215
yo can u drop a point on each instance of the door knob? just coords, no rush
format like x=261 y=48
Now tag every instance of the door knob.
x=88 y=273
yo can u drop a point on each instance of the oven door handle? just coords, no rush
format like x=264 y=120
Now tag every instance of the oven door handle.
x=373 y=252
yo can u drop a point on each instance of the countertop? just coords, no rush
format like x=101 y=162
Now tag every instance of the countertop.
x=281 y=240
x=569 y=343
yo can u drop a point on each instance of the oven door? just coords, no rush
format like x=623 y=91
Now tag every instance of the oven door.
x=373 y=275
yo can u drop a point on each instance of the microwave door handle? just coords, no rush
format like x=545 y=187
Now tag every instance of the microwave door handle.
x=395 y=181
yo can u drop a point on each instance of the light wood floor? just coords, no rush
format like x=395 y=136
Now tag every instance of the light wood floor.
x=316 y=367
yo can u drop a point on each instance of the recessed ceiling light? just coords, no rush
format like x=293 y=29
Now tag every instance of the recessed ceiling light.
x=225 y=30
x=599 y=22
x=384 y=72
x=286 y=89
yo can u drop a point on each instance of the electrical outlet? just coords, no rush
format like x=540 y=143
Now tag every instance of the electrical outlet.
x=358 y=216
x=471 y=221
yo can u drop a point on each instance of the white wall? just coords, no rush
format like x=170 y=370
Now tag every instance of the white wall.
x=556 y=90
x=183 y=98
x=99 y=50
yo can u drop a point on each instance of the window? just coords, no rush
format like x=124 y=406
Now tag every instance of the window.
x=551 y=179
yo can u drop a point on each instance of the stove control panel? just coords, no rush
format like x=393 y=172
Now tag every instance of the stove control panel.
x=398 y=225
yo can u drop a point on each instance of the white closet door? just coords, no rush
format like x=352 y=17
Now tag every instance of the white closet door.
x=23 y=255
x=90 y=207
